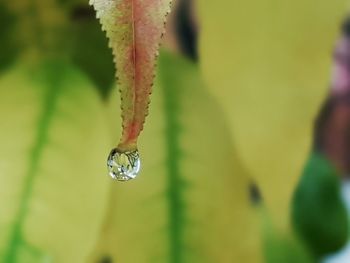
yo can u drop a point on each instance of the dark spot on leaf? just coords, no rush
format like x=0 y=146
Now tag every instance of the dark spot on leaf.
x=106 y=259
x=255 y=194
x=186 y=30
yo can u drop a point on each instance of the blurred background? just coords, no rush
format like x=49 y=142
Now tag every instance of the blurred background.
x=245 y=153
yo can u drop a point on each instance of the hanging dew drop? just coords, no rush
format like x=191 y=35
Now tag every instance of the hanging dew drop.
x=123 y=166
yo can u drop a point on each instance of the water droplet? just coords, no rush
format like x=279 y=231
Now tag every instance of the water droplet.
x=123 y=166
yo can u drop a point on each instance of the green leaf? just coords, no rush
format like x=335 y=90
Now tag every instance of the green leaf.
x=318 y=213
x=91 y=53
x=84 y=43
x=190 y=202
x=52 y=163
x=8 y=45
x=40 y=28
x=268 y=63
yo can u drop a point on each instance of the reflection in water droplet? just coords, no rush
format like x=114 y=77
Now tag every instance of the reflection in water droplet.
x=123 y=166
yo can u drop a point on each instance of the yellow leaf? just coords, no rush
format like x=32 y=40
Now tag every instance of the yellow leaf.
x=268 y=64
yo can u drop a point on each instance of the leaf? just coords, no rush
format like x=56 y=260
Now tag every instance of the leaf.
x=280 y=246
x=8 y=45
x=318 y=212
x=134 y=28
x=90 y=52
x=191 y=200
x=268 y=63
x=85 y=44
x=39 y=29
x=52 y=190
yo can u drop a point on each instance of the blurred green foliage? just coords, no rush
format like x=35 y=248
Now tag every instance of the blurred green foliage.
x=89 y=49
x=7 y=37
x=318 y=212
